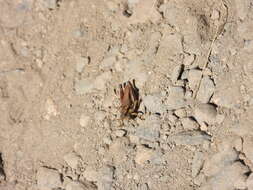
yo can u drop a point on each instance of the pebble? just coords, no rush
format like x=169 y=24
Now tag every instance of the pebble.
x=154 y=103
x=184 y=74
x=90 y=174
x=105 y=179
x=215 y=15
x=228 y=178
x=72 y=159
x=120 y=133
x=189 y=59
x=194 y=77
x=180 y=113
x=99 y=116
x=50 y=108
x=189 y=124
x=134 y=139
x=149 y=129
x=176 y=73
x=175 y=99
x=84 y=120
x=107 y=140
x=205 y=113
x=206 y=90
x=190 y=138
x=81 y=62
x=107 y=62
x=48 y=179
x=197 y=163
x=143 y=154
x=83 y=86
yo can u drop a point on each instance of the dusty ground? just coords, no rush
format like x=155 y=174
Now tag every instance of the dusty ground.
x=60 y=61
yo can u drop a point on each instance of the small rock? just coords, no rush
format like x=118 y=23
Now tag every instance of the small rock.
x=180 y=113
x=100 y=116
x=107 y=140
x=205 y=113
x=134 y=139
x=72 y=159
x=189 y=59
x=154 y=103
x=197 y=163
x=123 y=48
x=206 y=90
x=190 y=138
x=238 y=144
x=106 y=178
x=143 y=155
x=189 y=124
x=144 y=187
x=101 y=80
x=84 y=120
x=84 y=86
x=215 y=15
x=81 y=63
x=120 y=133
x=194 y=77
x=51 y=4
x=48 y=179
x=107 y=62
x=90 y=174
x=176 y=73
x=185 y=74
x=199 y=179
x=149 y=129
x=175 y=99
x=50 y=108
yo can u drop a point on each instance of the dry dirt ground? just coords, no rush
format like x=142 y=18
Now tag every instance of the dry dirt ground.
x=60 y=127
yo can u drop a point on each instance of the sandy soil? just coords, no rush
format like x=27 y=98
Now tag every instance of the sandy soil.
x=60 y=127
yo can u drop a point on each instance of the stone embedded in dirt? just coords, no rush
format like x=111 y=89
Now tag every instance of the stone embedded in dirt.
x=105 y=179
x=84 y=86
x=215 y=15
x=206 y=90
x=180 y=113
x=2 y=173
x=84 y=120
x=48 y=179
x=175 y=99
x=189 y=59
x=225 y=157
x=205 y=113
x=51 y=109
x=51 y=4
x=149 y=128
x=72 y=159
x=227 y=178
x=76 y=185
x=154 y=103
x=189 y=124
x=176 y=73
x=143 y=154
x=107 y=62
x=90 y=174
x=190 y=138
x=194 y=78
x=197 y=163
x=100 y=116
x=118 y=150
x=81 y=62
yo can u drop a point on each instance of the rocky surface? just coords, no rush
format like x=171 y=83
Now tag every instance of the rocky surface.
x=61 y=63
